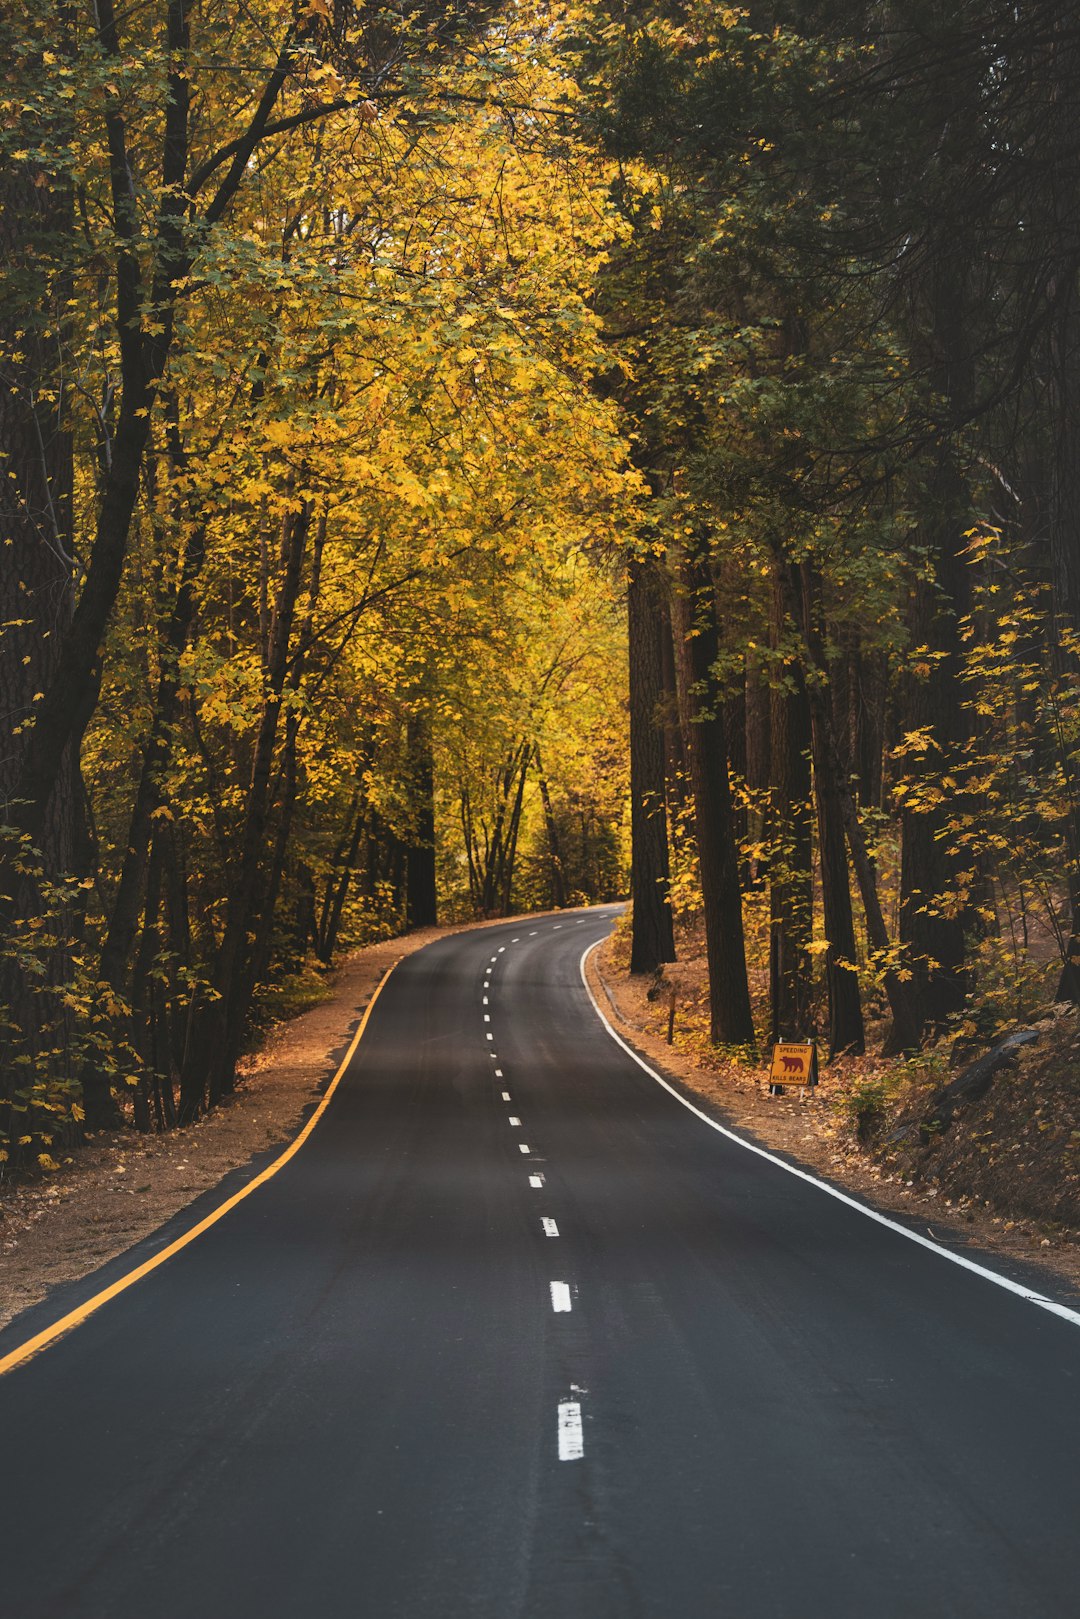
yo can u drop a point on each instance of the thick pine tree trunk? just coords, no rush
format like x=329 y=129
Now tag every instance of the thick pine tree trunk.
x=731 y=1021
x=791 y=880
x=652 y=936
x=1062 y=293
x=932 y=908
x=1064 y=527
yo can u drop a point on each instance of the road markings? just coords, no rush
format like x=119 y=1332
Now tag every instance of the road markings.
x=487 y=1017
x=988 y=1275
x=536 y=1180
x=515 y=941
x=571 y=1437
x=532 y=935
x=502 y=951
x=550 y=1228
x=560 y=1297
x=489 y=1035
x=485 y=1001
x=506 y=1096
x=522 y=1147
x=76 y=1317
x=494 y=958
x=556 y=926
x=515 y=1124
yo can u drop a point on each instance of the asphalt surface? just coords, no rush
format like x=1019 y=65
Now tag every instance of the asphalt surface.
x=354 y=1396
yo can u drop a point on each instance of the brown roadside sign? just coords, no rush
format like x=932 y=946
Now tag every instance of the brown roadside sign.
x=792 y=1065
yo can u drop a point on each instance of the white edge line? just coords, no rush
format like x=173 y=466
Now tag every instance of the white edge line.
x=988 y=1275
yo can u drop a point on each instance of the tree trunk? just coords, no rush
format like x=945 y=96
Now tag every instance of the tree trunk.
x=555 y=858
x=790 y=870
x=846 y=1032
x=421 y=900
x=652 y=936
x=37 y=596
x=210 y=1044
x=731 y=1021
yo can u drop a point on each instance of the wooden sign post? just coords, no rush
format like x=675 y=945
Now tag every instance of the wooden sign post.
x=792 y=1065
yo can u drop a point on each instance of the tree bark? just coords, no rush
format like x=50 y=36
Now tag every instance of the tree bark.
x=731 y=1021
x=652 y=935
x=555 y=857
x=846 y=1031
x=790 y=812
x=421 y=900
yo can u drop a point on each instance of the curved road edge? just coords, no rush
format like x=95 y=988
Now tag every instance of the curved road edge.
x=81 y=1312
x=1054 y=1306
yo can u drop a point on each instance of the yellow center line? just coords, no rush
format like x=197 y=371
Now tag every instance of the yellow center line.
x=76 y=1317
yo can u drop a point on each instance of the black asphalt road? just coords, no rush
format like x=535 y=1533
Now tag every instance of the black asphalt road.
x=343 y=1400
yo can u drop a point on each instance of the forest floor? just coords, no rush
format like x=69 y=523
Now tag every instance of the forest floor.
x=1005 y=1177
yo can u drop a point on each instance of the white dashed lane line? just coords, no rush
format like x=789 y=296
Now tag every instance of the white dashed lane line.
x=570 y=1430
x=571 y=1437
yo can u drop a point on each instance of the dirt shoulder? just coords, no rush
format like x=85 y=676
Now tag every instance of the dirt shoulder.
x=121 y=1186
x=814 y=1128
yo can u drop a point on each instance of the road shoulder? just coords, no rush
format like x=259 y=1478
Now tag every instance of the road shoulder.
x=806 y=1129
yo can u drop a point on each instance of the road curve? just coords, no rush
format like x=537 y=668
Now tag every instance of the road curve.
x=633 y=1370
